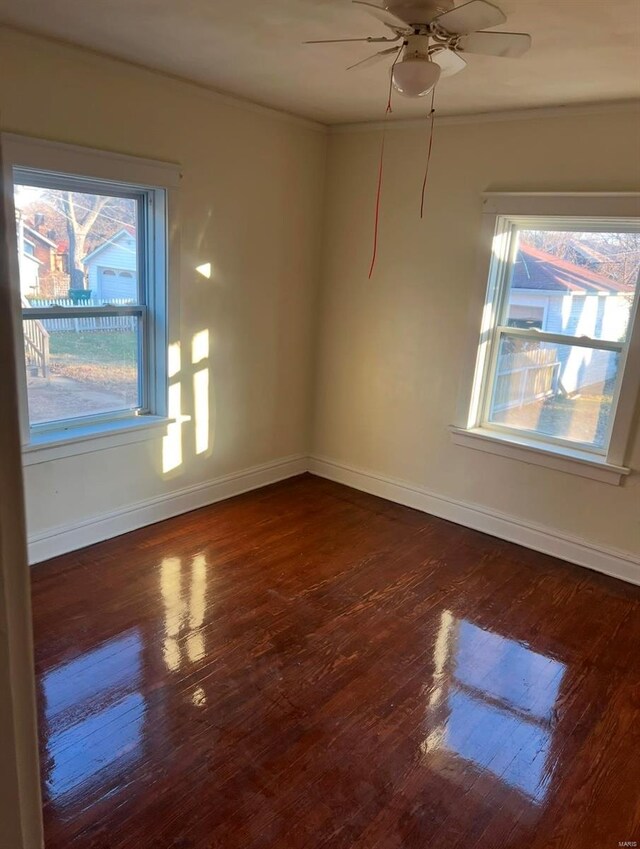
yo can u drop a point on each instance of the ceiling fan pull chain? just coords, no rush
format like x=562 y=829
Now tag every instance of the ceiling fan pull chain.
x=377 y=214
x=388 y=110
x=432 y=116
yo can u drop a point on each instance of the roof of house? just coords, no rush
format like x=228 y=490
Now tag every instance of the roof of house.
x=38 y=235
x=537 y=269
x=108 y=243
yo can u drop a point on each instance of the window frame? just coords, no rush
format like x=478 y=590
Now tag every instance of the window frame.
x=503 y=215
x=155 y=186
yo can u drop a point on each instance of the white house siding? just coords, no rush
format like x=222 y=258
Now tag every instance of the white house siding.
x=603 y=316
x=29 y=275
x=119 y=256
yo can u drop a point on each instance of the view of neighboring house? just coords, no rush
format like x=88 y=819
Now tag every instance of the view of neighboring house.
x=109 y=261
x=41 y=259
x=562 y=297
x=558 y=296
x=111 y=268
x=29 y=275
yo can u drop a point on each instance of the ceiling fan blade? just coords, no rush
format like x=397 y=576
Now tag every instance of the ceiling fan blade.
x=470 y=17
x=449 y=61
x=511 y=44
x=383 y=15
x=370 y=39
x=373 y=60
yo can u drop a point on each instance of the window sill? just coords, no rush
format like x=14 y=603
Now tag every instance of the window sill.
x=519 y=448
x=70 y=441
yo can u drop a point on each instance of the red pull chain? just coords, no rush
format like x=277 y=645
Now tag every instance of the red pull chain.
x=381 y=169
x=377 y=216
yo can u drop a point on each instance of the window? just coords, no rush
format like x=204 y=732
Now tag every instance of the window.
x=94 y=304
x=553 y=370
x=527 y=317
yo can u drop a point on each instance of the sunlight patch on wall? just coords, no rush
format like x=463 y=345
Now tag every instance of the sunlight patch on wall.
x=200 y=346
x=201 y=409
x=172 y=442
x=173 y=359
x=199 y=354
x=204 y=270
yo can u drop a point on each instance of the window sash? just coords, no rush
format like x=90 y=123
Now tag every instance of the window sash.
x=560 y=338
x=48 y=313
x=106 y=188
x=491 y=377
x=144 y=359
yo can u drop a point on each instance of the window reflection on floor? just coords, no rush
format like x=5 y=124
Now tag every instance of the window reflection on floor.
x=183 y=588
x=95 y=715
x=492 y=705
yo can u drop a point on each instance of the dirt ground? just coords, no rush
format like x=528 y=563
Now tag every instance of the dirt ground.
x=63 y=398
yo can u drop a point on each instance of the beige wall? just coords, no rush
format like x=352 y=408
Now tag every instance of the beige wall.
x=251 y=205
x=391 y=349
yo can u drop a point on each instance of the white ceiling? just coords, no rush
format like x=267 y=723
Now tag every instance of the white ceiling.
x=583 y=51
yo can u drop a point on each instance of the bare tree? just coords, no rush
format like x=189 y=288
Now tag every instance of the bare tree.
x=78 y=228
x=622 y=261
x=614 y=255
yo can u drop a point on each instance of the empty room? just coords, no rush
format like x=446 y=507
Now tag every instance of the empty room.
x=320 y=431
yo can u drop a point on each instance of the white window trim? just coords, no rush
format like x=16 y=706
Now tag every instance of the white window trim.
x=160 y=178
x=466 y=430
x=97 y=436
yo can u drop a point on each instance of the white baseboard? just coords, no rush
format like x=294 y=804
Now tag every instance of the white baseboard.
x=59 y=540
x=70 y=537
x=618 y=564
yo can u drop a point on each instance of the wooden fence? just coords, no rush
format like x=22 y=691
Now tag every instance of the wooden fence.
x=526 y=377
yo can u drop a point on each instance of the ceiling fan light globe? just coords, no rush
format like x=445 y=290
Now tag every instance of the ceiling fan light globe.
x=415 y=76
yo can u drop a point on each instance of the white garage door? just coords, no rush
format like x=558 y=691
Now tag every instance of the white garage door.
x=115 y=284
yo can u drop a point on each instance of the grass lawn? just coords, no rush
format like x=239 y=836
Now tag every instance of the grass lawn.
x=106 y=360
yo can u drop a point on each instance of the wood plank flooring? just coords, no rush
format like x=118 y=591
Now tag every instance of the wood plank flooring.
x=308 y=667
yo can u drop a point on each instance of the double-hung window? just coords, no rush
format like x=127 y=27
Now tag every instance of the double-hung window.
x=557 y=361
x=90 y=275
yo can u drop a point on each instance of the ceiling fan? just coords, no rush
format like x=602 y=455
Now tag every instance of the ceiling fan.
x=429 y=37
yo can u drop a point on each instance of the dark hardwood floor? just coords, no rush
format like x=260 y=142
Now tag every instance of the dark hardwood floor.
x=307 y=666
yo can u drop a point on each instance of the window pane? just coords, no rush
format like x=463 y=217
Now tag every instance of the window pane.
x=578 y=284
x=81 y=366
x=76 y=249
x=555 y=390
